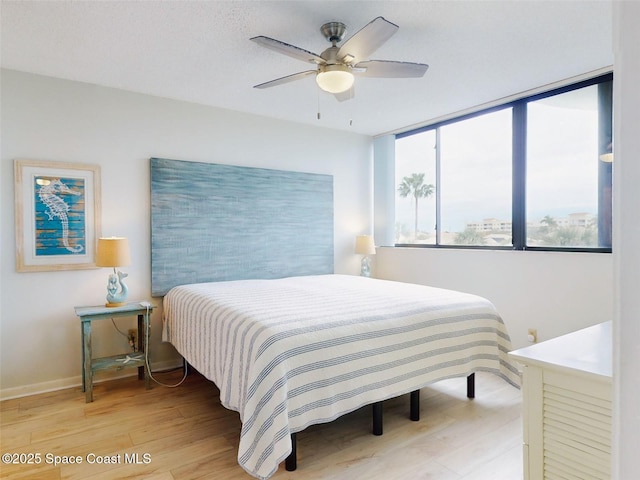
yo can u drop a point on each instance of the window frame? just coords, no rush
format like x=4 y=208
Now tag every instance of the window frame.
x=519 y=169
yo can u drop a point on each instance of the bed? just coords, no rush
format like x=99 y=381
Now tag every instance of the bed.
x=291 y=352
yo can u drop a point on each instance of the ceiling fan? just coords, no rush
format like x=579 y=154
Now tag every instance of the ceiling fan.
x=338 y=64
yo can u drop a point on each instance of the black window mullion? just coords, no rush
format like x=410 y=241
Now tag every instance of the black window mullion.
x=518 y=206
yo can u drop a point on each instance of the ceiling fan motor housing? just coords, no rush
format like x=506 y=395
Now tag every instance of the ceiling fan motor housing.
x=334 y=31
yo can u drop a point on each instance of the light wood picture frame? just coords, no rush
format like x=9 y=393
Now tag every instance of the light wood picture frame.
x=58 y=212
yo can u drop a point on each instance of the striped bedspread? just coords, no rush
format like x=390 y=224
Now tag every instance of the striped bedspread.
x=293 y=352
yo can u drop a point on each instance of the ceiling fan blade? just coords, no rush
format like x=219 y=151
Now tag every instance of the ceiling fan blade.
x=287 y=79
x=290 y=50
x=390 y=69
x=367 y=40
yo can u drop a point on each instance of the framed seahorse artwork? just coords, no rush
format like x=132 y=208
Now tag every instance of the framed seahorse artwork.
x=57 y=208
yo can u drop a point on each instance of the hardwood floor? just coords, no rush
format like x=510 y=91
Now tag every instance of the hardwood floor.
x=184 y=433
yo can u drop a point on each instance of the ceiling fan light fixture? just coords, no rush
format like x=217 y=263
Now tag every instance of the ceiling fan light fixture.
x=334 y=78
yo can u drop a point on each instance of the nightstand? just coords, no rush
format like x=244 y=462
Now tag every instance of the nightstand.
x=125 y=360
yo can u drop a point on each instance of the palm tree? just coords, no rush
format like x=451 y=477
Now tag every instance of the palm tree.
x=415 y=186
x=549 y=223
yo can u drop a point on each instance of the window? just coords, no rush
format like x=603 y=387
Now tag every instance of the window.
x=415 y=193
x=531 y=174
x=475 y=180
x=562 y=169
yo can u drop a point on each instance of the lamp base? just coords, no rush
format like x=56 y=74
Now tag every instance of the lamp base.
x=365 y=266
x=117 y=304
x=117 y=290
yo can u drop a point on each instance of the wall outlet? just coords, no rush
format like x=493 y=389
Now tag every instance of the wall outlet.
x=532 y=335
x=133 y=339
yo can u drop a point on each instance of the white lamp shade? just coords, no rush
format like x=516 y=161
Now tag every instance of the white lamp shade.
x=113 y=252
x=335 y=79
x=365 y=245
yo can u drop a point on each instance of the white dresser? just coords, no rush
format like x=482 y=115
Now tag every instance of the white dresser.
x=566 y=399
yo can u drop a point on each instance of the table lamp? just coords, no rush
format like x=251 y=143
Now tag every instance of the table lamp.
x=114 y=252
x=365 y=247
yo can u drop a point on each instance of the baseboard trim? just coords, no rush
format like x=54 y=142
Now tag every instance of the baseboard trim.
x=76 y=382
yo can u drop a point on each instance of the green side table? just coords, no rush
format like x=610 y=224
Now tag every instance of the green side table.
x=90 y=365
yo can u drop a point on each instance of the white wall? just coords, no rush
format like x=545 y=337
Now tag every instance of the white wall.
x=50 y=119
x=553 y=292
x=626 y=236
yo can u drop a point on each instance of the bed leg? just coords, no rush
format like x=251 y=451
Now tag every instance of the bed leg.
x=377 y=418
x=291 y=462
x=414 y=410
x=471 y=386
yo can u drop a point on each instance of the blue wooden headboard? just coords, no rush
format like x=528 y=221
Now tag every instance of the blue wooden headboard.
x=213 y=222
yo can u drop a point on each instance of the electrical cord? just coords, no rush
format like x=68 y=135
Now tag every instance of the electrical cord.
x=146 y=358
x=118 y=330
x=127 y=336
x=146 y=352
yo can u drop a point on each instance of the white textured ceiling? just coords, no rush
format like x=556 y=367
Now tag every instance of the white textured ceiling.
x=199 y=51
